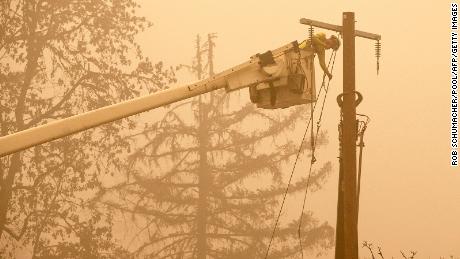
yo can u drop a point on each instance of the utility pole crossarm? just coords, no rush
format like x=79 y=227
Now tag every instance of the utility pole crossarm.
x=338 y=28
x=322 y=25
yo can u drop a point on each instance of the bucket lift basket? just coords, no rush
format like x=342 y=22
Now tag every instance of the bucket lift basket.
x=291 y=80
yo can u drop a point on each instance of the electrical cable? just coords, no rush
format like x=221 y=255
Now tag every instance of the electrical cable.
x=294 y=166
x=313 y=159
x=287 y=189
x=361 y=132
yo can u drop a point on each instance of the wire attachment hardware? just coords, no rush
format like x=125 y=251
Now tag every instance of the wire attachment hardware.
x=311 y=31
x=378 y=49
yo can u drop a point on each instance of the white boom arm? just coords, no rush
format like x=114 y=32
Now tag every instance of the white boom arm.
x=244 y=75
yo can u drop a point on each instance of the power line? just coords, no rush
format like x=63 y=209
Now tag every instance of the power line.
x=294 y=166
x=287 y=189
x=313 y=150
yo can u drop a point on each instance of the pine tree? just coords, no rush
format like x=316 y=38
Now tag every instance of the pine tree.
x=206 y=179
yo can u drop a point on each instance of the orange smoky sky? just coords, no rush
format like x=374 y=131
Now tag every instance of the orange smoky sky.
x=410 y=198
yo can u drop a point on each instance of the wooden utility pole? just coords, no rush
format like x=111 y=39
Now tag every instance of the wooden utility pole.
x=349 y=133
x=346 y=246
x=339 y=234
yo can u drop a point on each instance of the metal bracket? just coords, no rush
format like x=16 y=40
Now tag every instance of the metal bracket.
x=358 y=100
x=266 y=58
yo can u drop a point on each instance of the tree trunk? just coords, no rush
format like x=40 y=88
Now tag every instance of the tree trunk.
x=6 y=189
x=204 y=182
x=34 y=46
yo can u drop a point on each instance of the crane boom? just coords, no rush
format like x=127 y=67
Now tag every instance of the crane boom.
x=263 y=73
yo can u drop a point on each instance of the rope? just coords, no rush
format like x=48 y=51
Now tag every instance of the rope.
x=287 y=189
x=292 y=171
x=312 y=135
x=313 y=159
x=296 y=160
x=323 y=86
